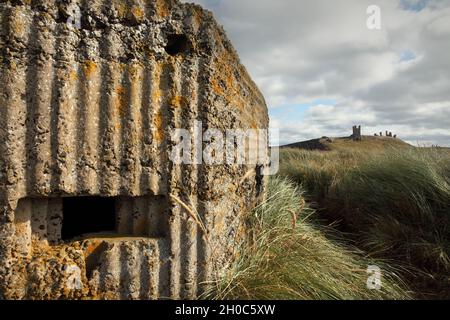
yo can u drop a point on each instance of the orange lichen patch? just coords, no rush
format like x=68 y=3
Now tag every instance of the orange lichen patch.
x=162 y=8
x=120 y=92
x=178 y=102
x=158 y=131
x=137 y=13
x=89 y=68
x=122 y=67
x=217 y=88
x=156 y=92
x=254 y=124
x=73 y=75
x=92 y=247
x=156 y=95
x=224 y=82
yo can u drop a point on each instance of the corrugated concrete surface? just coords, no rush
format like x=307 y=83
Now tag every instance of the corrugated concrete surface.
x=87 y=110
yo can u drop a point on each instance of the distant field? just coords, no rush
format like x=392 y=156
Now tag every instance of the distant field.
x=391 y=199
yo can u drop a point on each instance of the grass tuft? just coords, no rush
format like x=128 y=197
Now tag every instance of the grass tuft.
x=288 y=257
x=395 y=201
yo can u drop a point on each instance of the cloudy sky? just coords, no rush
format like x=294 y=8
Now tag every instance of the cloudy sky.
x=322 y=70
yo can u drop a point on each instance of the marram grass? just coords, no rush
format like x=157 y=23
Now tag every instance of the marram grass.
x=395 y=201
x=287 y=257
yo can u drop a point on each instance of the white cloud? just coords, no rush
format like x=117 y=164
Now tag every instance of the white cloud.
x=299 y=51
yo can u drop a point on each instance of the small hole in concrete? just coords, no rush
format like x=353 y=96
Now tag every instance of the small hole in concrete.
x=177 y=44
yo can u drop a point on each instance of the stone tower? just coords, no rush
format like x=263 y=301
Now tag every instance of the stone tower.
x=356 y=136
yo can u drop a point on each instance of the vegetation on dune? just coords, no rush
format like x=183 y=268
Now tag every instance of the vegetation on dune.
x=395 y=202
x=289 y=257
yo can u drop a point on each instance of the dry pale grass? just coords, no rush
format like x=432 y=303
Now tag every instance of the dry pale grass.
x=290 y=258
x=395 y=201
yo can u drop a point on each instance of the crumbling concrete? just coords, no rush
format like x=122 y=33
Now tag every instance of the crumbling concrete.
x=86 y=109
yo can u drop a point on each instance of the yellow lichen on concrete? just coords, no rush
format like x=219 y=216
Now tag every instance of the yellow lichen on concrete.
x=254 y=124
x=89 y=68
x=178 y=102
x=156 y=95
x=137 y=13
x=162 y=8
x=224 y=82
x=158 y=131
x=92 y=246
x=121 y=101
x=73 y=75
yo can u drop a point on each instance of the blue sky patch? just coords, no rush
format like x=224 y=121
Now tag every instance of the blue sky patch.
x=407 y=55
x=414 y=5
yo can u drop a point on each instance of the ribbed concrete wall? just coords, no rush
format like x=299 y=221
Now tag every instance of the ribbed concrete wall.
x=88 y=112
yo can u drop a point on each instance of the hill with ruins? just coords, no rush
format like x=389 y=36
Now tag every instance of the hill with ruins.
x=339 y=143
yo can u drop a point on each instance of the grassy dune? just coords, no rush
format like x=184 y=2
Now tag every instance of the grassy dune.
x=289 y=257
x=392 y=199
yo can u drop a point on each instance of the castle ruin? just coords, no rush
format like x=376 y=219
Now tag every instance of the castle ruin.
x=388 y=135
x=356 y=136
